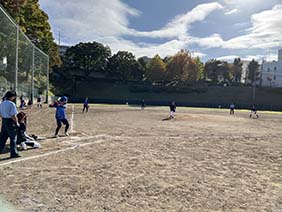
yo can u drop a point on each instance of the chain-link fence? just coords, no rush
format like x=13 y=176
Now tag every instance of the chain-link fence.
x=23 y=67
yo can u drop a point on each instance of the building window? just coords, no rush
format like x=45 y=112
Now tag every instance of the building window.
x=268 y=69
x=274 y=77
x=275 y=68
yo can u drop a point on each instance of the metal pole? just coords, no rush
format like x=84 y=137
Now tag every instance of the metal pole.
x=17 y=61
x=17 y=57
x=254 y=93
x=33 y=68
x=47 y=79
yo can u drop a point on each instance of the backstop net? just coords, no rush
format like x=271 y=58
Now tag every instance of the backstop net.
x=23 y=66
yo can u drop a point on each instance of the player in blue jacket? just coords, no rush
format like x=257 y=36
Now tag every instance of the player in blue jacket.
x=61 y=117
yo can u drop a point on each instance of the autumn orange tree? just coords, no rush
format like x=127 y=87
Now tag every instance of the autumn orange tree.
x=182 y=68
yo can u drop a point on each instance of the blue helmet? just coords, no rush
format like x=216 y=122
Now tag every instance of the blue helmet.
x=63 y=99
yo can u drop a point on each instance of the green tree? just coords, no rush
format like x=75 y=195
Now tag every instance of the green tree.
x=182 y=67
x=253 y=71
x=217 y=71
x=167 y=59
x=236 y=70
x=124 y=65
x=156 y=71
x=211 y=70
x=15 y=9
x=86 y=58
x=143 y=63
x=225 y=71
x=39 y=31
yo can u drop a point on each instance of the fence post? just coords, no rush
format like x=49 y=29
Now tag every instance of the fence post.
x=33 y=68
x=17 y=61
x=47 y=83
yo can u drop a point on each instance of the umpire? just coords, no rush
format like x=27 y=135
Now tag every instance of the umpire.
x=8 y=112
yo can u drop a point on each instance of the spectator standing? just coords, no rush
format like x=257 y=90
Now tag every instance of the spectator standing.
x=10 y=124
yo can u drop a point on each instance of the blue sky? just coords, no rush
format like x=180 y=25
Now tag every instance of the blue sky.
x=221 y=29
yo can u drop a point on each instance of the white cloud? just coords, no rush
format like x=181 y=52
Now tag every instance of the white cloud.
x=213 y=41
x=231 y=1
x=107 y=22
x=265 y=32
x=87 y=19
x=260 y=57
x=198 y=54
x=179 y=26
x=93 y=18
x=240 y=3
x=241 y=24
x=230 y=12
x=228 y=58
x=140 y=49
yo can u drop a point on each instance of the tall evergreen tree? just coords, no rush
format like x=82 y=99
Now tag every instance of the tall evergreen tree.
x=211 y=70
x=236 y=70
x=253 y=69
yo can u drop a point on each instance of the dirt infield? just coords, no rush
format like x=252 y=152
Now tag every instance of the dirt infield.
x=119 y=158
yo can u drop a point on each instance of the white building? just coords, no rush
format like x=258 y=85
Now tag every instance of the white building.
x=271 y=72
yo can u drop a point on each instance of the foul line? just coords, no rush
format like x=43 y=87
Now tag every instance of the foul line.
x=62 y=150
x=71 y=121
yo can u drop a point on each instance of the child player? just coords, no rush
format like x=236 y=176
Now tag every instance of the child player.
x=232 y=109
x=85 y=105
x=142 y=104
x=23 y=138
x=172 y=109
x=254 y=112
x=61 y=117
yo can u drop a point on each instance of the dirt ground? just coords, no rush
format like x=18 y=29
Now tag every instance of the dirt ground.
x=119 y=158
